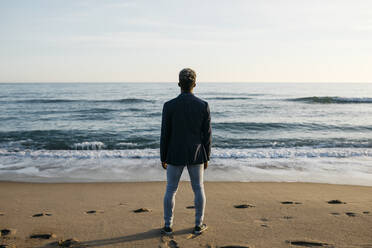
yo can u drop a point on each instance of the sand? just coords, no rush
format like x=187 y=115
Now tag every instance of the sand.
x=102 y=215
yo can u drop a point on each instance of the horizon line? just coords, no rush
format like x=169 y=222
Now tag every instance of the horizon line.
x=175 y=82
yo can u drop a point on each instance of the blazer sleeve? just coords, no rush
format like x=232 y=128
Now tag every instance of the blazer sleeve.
x=207 y=132
x=165 y=133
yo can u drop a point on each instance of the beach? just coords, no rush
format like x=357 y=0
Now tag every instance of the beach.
x=238 y=213
x=100 y=101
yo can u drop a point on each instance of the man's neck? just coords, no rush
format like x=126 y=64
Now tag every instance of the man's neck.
x=189 y=91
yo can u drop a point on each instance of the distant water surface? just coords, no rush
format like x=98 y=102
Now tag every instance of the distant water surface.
x=261 y=131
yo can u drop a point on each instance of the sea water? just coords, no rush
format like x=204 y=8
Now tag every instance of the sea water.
x=280 y=132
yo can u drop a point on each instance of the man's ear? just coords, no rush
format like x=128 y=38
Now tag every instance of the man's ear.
x=179 y=84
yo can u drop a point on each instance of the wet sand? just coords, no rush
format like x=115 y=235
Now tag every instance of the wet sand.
x=238 y=214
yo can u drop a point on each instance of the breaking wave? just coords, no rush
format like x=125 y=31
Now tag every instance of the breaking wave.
x=227 y=98
x=332 y=99
x=124 y=100
x=90 y=150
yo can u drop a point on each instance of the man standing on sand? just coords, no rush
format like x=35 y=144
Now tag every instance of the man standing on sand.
x=185 y=141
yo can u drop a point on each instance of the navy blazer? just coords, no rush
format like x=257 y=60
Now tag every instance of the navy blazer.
x=186 y=132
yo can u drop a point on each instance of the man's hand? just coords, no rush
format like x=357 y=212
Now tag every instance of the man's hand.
x=205 y=165
x=164 y=165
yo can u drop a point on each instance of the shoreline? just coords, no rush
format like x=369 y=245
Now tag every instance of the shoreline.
x=278 y=214
x=183 y=181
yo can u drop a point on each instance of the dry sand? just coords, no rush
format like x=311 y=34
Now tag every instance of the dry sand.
x=277 y=215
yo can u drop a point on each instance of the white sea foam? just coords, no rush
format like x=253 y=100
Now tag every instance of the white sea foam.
x=326 y=165
x=129 y=144
x=220 y=153
x=94 y=145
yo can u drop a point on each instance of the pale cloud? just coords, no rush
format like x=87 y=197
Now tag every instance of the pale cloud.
x=237 y=40
x=365 y=26
x=106 y=3
x=140 y=39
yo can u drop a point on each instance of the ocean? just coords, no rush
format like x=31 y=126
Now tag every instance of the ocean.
x=276 y=132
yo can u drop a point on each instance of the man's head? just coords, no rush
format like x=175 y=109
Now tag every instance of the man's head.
x=187 y=78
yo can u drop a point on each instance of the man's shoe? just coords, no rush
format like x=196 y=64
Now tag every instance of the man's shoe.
x=199 y=229
x=166 y=230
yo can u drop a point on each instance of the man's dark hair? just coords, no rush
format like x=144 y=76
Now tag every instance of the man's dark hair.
x=187 y=78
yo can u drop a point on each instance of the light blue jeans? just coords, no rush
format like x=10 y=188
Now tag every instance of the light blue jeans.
x=174 y=173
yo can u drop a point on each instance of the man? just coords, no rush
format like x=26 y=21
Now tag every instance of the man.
x=185 y=141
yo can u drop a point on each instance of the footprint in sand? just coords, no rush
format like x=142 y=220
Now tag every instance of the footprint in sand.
x=7 y=232
x=8 y=246
x=1 y=214
x=290 y=202
x=335 y=213
x=244 y=206
x=142 y=210
x=287 y=217
x=43 y=236
x=4 y=232
x=190 y=207
x=94 y=211
x=366 y=212
x=173 y=244
x=350 y=214
x=42 y=214
x=68 y=243
x=335 y=202
x=262 y=222
x=168 y=242
x=307 y=243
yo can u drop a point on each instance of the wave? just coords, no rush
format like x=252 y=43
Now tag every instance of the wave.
x=267 y=126
x=227 y=98
x=217 y=153
x=76 y=139
x=124 y=100
x=251 y=126
x=45 y=101
x=153 y=114
x=224 y=93
x=8 y=118
x=272 y=153
x=128 y=100
x=332 y=99
x=249 y=143
x=340 y=166
x=135 y=109
x=80 y=111
x=149 y=138
x=93 y=111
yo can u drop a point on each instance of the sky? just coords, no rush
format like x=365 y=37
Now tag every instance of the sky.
x=151 y=41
